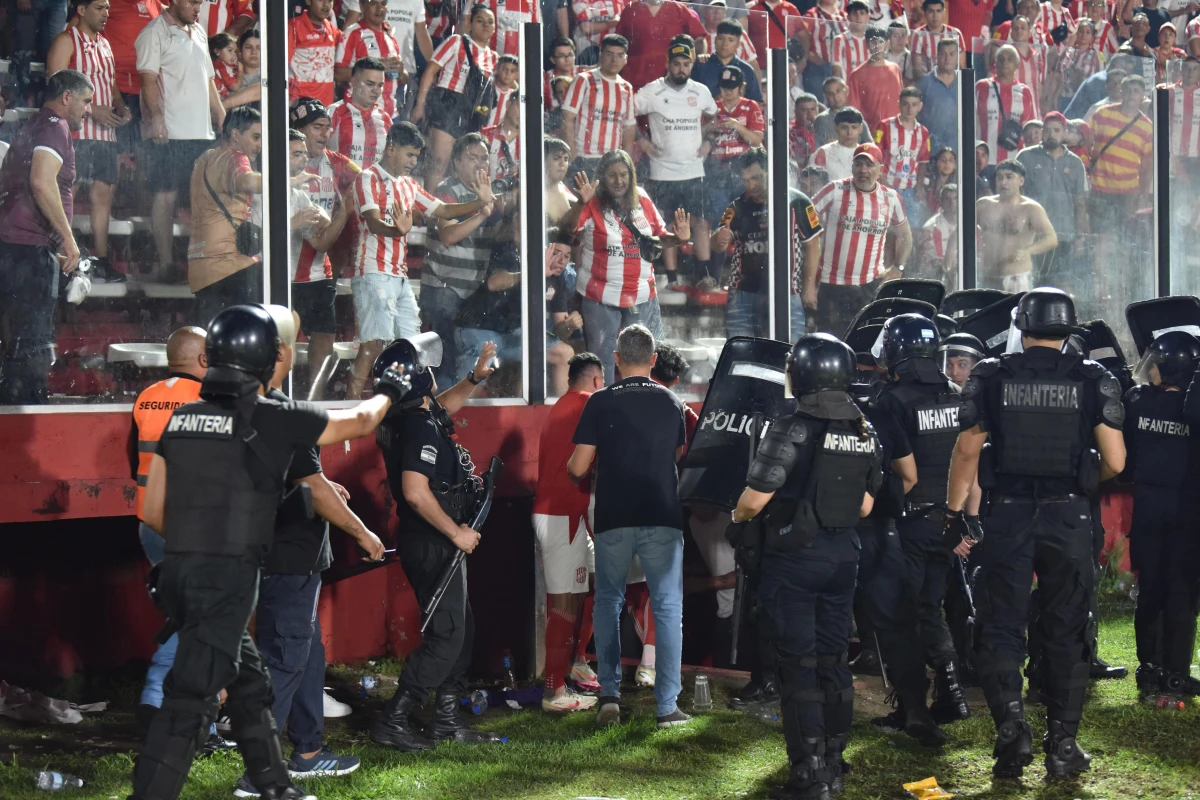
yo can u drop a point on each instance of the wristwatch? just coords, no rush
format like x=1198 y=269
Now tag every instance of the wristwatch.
x=471 y=378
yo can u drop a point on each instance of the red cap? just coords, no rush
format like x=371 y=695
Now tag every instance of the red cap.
x=871 y=151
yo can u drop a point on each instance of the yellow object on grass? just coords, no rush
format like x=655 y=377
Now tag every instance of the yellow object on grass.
x=927 y=789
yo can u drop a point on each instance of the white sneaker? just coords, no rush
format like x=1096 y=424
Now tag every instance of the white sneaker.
x=644 y=677
x=584 y=677
x=568 y=702
x=334 y=708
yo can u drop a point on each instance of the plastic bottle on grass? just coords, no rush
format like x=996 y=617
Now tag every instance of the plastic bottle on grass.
x=476 y=701
x=764 y=712
x=53 y=781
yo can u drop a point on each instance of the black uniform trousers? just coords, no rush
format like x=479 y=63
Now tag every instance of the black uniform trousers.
x=807 y=595
x=210 y=597
x=1163 y=549
x=929 y=564
x=890 y=605
x=1053 y=539
x=442 y=659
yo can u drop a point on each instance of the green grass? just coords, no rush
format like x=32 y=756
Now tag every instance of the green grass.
x=1138 y=752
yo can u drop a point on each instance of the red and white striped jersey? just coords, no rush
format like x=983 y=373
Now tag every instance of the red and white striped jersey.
x=376 y=190
x=727 y=144
x=1086 y=61
x=594 y=11
x=940 y=232
x=510 y=16
x=335 y=174
x=217 y=15
x=548 y=91
x=1106 y=37
x=1185 y=121
x=1019 y=106
x=361 y=41
x=904 y=150
x=824 y=26
x=357 y=134
x=312 y=51
x=451 y=57
x=504 y=155
x=94 y=58
x=924 y=42
x=603 y=110
x=611 y=268
x=502 y=97
x=1049 y=18
x=856 y=224
x=227 y=77
x=850 y=51
x=1031 y=70
x=1079 y=9
x=745 y=51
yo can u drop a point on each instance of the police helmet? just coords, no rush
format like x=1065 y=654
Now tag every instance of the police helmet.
x=244 y=339
x=1175 y=353
x=958 y=354
x=418 y=355
x=906 y=336
x=1046 y=312
x=820 y=362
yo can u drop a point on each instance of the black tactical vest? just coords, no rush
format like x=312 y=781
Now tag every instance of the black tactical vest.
x=1041 y=431
x=931 y=420
x=1161 y=439
x=213 y=503
x=844 y=461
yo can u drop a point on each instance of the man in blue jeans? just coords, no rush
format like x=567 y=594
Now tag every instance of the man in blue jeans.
x=635 y=431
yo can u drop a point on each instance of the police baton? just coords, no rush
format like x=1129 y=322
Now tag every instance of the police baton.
x=489 y=487
x=739 y=592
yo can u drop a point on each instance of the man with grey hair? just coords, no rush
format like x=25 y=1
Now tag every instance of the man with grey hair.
x=35 y=235
x=636 y=430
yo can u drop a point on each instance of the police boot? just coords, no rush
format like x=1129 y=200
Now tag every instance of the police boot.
x=1101 y=670
x=1178 y=683
x=1064 y=757
x=393 y=728
x=949 y=704
x=754 y=693
x=809 y=776
x=1014 y=742
x=288 y=792
x=837 y=766
x=448 y=726
x=1149 y=678
x=920 y=725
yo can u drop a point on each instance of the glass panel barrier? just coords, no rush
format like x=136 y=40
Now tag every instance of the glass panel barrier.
x=157 y=251
x=1090 y=178
x=1183 y=80
x=902 y=210
x=634 y=121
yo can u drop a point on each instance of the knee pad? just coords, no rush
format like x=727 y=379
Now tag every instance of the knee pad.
x=167 y=752
x=262 y=751
x=246 y=703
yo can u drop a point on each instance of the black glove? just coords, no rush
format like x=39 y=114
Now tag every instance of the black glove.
x=733 y=534
x=956 y=529
x=974 y=529
x=395 y=384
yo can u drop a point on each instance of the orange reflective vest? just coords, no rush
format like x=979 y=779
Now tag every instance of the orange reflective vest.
x=151 y=411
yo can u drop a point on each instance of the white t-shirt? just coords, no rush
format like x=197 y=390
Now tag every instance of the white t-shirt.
x=838 y=161
x=675 y=117
x=180 y=58
x=403 y=16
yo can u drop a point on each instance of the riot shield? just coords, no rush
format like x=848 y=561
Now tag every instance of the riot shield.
x=966 y=302
x=878 y=312
x=927 y=291
x=946 y=325
x=1150 y=319
x=748 y=382
x=991 y=325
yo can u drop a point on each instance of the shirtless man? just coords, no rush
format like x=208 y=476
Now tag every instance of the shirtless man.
x=558 y=198
x=1012 y=230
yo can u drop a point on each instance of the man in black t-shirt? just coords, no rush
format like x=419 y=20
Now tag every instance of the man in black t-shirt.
x=635 y=432
x=431 y=479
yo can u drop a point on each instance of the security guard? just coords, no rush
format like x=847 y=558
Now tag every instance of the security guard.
x=1046 y=413
x=433 y=483
x=924 y=405
x=816 y=473
x=1163 y=546
x=214 y=486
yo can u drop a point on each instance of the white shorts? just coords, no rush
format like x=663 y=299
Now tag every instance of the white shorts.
x=717 y=554
x=566 y=560
x=1021 y=282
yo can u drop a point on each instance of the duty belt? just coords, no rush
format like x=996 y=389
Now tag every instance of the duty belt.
x=1054 y=498
x=918 y=510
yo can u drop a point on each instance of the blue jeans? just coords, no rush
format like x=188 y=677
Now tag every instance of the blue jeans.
x=439 y=306
x=661 y=552
x=602 y=323
x=288 y=635
x=155 y=548
x=746 y=314
x=470 y=343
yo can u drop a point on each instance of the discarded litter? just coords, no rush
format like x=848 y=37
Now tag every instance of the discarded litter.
x=927 y=789
x=53 y=781
x=27 y=706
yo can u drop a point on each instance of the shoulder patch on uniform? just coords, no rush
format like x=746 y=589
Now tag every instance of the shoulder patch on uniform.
x=429 y=454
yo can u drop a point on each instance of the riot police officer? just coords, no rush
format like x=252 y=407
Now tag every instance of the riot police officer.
x=924 y=405
x=815 y=473
x=1047 y=414
x=432 y=481
x=1162 y=540
x=958 y=354
x=213 y=489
